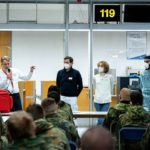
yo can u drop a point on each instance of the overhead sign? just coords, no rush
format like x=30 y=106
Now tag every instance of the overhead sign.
x=107 y=13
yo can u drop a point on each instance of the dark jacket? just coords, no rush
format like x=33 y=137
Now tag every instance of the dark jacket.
x=69 y=82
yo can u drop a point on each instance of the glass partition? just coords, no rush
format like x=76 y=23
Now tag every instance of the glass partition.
x=50 y=13
x=78 y=49
x=3 y=13
x=78 y=13
x=22 y=12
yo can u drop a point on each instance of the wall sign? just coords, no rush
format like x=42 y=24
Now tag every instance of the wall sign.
x=136 y=45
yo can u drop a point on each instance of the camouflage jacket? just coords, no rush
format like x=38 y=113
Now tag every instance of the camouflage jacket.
x=65 y=125
x=65 y=115
x=36 y=143
x=145 y=143
x=51 y=134
x=114 y=113
x=65 y=107
x=136 y=115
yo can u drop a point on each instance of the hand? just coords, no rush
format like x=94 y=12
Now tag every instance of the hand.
x=9 y=76
x=32 y=68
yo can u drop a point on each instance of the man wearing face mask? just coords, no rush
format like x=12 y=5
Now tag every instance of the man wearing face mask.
x=145 y=83
x=103 y=87
x=69 y=81
x=9 y=78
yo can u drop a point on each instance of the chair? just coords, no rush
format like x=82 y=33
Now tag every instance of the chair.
x=73 y=145
x=131 y=134
x=113 y=127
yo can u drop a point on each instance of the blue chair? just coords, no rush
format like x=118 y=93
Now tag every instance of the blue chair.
x=131 y=134
x=73 y=145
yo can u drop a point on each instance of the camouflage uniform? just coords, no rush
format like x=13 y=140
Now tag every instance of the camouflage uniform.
x=65 y=107
x=68 y=127
x=36 y=143
x=3 y=133
x=115 y=112
x=135 y=116
x=65 y=115
x=51 y=134
x=145 y=143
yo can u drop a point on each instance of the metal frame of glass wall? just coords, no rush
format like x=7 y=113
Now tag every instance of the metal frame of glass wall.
x=89 y=27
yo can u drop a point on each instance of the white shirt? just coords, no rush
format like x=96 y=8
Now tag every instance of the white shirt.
x=103 y=85
x=16 y=75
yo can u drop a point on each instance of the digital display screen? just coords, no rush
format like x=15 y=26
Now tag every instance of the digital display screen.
x=107 y=13
x=137 y=13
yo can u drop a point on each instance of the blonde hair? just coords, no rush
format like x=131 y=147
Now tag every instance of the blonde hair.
x=7 y=58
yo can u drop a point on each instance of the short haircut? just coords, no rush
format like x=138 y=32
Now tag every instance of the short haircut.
x=53 y=88
x=36 y=111
x=55 y=96
x=21 y=125
x=97 y=138
x=48 y=105
x=70 y=59
x=125 y=94
x=136 y=98
x=7 y=58
x=105 y=65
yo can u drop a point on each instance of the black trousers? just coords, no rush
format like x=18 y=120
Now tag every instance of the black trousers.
x=16 y=102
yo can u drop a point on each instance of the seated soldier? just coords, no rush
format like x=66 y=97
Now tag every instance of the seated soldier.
x=3 y=134
x=120 y=108
x=52 y=135
x=62 y=113
x=97 y=138
x=21 y=129
x=62 y=105
x=135 y=116
x=50 y=110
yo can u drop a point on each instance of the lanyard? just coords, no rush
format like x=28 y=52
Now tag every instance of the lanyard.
x=10 y=80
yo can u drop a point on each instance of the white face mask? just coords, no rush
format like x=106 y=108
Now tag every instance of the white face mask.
x=146 y=65
x=100 y=69
x=67 y=66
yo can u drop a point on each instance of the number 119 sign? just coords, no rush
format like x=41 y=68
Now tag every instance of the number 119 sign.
x=107 y=13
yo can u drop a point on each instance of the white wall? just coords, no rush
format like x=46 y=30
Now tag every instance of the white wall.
x=45 y=50
x=42 y=49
